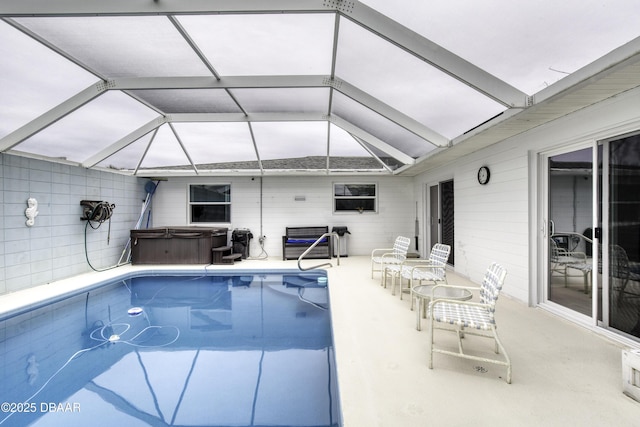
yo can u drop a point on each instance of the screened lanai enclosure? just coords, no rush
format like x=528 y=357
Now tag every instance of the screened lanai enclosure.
x=226 y=88
x=266 y=87
x=273 y=114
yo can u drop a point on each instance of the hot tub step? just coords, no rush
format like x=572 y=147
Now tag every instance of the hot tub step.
x=229 y=259
x=225 y=255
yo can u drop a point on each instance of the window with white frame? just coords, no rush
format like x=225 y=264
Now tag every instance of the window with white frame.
x=355 y=197
x=209 y=203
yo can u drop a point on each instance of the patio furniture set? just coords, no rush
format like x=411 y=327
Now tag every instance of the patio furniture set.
x=446 y=307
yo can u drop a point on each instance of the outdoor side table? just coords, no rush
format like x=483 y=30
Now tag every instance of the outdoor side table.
x=422 y=294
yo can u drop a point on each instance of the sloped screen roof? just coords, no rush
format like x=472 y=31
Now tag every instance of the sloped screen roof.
x=261 y=87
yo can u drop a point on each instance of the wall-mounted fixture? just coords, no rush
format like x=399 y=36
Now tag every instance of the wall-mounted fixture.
x=483 y=175
x=31 y=212
x=300 y=198
x=96 y=210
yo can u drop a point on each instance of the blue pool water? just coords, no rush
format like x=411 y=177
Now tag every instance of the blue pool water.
x=252 y=349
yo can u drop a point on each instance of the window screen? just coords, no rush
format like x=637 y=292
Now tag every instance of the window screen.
x=210 y=203
x=355 y=197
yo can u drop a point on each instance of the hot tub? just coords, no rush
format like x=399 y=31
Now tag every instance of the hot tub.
x=176 y=245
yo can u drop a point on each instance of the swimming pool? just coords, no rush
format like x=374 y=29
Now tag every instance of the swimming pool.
x=221 y=349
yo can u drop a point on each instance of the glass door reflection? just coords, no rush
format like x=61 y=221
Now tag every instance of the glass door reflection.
x=570 y=203
x=622 y=234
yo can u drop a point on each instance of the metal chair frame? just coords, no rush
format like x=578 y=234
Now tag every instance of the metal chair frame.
x=472 y=318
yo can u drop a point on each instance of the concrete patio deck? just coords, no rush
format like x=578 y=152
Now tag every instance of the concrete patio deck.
x=563 y=374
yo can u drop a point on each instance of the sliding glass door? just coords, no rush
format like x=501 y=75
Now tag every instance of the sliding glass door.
x=621 y=234
x=590 y=232
x=569 y=221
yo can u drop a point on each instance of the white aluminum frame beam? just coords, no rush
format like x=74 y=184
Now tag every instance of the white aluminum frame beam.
x=372 y=140
x=392 y=114
x=128 y=7
x=184 y=149
x=374 y=155
x=226 y=82
x=124 y=142
x=239 y=117
x=437 y=56
x=53 y=115
x=54 y=48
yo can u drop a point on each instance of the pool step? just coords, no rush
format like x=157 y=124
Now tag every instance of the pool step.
x=225 y=255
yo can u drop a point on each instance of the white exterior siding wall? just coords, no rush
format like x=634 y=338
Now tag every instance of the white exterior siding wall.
x=490 y=220
x=395 y=216
x=495 y=222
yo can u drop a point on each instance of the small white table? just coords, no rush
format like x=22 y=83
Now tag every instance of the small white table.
x=422 y=294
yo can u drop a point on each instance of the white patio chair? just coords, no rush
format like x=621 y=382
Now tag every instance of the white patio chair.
x=471 y=318
x=621 y=268
x=584 y=266
x=415 y=271
x=561 y=259
x=386 y=256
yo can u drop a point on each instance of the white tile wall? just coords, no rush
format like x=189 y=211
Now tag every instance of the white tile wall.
x=55 y=248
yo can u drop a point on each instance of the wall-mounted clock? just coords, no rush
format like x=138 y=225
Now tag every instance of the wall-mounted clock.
x=483 y=175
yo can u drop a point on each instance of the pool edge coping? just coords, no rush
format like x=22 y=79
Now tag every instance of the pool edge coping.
x=22 y=301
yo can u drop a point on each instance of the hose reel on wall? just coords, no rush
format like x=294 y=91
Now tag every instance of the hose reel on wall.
x=95 y=212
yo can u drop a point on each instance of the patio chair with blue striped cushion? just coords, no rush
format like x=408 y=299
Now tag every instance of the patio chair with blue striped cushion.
x=471 y=318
